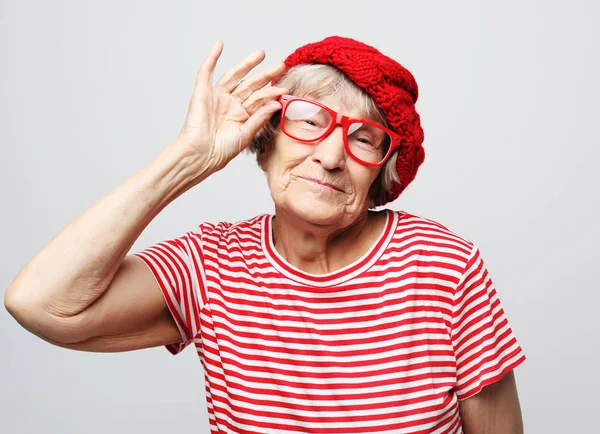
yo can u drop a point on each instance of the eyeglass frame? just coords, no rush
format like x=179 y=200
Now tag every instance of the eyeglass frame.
x=344 y=121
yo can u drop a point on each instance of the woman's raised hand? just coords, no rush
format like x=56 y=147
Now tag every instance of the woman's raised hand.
x=222 y=119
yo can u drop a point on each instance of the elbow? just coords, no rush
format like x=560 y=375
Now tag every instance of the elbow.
x=39 y=322
x=17 y=307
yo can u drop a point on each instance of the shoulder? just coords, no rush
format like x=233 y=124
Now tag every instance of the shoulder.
x=249 y=228
x=430 y=235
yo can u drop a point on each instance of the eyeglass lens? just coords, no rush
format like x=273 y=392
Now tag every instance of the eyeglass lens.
x=307 y=121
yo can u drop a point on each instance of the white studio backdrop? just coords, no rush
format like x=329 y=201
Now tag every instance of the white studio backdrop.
x=90 y=92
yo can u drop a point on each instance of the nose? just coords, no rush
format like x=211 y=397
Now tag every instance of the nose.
x=330 y=152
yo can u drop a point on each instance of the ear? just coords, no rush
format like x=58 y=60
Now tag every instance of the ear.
x=264 y=158
x=375 y=191
x=263 y=161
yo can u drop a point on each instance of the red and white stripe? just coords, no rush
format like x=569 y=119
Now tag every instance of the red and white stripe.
x=389 y=344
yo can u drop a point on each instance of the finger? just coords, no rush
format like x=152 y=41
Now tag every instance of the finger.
x=258 y=81
x=258 y=120
x=262 y=96
x=232 y=77
x=207 y=69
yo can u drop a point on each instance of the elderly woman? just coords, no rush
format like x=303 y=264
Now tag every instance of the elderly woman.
x=326 y=317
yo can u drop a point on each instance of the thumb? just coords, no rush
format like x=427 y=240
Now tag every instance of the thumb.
x=258 y=120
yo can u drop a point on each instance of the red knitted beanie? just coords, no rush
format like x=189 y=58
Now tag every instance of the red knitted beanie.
x=392 y=87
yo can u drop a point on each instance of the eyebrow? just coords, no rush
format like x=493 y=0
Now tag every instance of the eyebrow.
x=316 y=97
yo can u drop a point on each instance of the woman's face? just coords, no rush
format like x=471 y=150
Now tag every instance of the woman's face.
x=319 y=182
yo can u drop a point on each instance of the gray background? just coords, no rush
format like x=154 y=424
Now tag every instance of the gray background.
x=90 y=92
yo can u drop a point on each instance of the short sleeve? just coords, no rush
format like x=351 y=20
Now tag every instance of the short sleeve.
x=177 y=267
x=484 y=344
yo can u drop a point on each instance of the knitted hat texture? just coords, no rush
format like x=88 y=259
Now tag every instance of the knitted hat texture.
x=392 y=87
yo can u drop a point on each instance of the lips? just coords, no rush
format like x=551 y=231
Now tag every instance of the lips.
x=326 y=184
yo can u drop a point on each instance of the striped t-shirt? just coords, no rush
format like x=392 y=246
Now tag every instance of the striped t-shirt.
x=388 y=344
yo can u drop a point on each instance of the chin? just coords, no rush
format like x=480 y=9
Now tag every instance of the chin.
x=317 y=210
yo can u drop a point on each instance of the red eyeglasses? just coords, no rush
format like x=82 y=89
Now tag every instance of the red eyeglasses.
x=309 y=121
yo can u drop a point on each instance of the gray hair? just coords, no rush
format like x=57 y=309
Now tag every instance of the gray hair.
x=318 y=81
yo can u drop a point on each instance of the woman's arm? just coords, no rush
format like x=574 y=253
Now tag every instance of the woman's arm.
x=50 y=295
x=81 y=289
x=494 y=410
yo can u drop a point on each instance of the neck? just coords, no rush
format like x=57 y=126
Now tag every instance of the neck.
x=322 y=249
